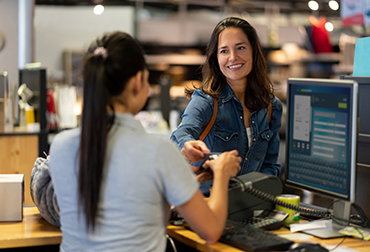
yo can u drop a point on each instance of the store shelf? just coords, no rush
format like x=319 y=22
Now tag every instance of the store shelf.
x=176 y=59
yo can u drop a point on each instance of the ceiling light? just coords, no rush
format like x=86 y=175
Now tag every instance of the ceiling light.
x=313 y=5
x=329 y=26
x=98 y=9
x=333 y=5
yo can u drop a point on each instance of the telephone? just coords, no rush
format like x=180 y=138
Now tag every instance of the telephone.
x=268 y=220
x=256 y=191
x=253 y=193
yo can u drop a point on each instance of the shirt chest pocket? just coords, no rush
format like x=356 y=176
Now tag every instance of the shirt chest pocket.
x=262 y=144
x=225 y=141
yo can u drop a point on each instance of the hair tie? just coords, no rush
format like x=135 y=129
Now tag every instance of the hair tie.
x=101 y=51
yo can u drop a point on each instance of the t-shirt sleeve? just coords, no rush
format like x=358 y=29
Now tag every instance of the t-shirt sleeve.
x=175 y=177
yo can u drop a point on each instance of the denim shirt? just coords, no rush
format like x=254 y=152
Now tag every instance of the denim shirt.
x=229 y=131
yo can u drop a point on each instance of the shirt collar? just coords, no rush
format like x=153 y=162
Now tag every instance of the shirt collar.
x=128 y=120
x=227 y=94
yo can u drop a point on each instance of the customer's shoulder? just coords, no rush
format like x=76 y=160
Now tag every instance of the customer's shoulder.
x=199 y=94
x=276 y=103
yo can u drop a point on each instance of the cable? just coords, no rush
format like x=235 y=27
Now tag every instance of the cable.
x=241 y=182
x=345 y=237
x=362 y=215
x=359 y=219
x=303 y=210
x=247 y=187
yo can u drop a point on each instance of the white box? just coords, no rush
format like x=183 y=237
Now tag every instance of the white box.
x=11 y=197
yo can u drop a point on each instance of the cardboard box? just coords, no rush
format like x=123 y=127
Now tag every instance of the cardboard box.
x=11 y=197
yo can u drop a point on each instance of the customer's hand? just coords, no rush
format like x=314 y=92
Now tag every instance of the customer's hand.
x=193 y=150
x=202 y=176
x=227 y=164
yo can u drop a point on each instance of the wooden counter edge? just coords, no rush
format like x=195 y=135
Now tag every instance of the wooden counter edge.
x=30 y=242
x=191 y=239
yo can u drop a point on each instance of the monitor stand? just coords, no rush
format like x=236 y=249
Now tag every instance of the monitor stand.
x=341 y=213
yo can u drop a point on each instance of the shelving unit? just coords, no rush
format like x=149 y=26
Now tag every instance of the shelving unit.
x=171 y=72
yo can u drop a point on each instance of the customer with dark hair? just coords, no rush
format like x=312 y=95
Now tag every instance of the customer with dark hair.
x=248 y=114
x=113 y=182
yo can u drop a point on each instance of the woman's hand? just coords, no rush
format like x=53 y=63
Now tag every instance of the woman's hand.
x=204 y=176
x=193 y=150
x=227 y=164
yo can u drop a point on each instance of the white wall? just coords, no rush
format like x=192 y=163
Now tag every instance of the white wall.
x=58 y=28
x=9 y=28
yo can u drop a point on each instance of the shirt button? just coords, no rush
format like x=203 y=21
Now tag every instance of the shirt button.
x=268 y=136
x=241 y=117
x=252 y=121
x=254 y=139
x=246 y=159
x=227 y=137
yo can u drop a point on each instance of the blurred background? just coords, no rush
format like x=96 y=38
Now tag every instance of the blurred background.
x=42 y=43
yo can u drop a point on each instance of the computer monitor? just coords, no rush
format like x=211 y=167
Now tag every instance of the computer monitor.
x=321 y=143
x=363 y=143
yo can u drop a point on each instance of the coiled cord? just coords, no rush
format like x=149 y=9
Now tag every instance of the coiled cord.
x=271 y=198
x=274 y=200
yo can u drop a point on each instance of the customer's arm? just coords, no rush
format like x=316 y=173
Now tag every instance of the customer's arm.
x=195 y=119
x=42 y=191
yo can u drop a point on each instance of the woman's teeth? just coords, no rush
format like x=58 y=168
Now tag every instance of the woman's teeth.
x=235 y=66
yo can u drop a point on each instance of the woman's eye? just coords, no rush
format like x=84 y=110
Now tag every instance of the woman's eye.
x=241 y=47
x=223 y=51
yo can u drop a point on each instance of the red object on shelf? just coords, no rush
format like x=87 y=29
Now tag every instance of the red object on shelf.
x=51 y=112
x=320 y=36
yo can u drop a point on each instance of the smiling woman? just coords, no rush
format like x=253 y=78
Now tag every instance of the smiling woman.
x=235 y=74
x=235 y=56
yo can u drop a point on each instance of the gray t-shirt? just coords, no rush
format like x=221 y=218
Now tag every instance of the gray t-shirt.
x=143 y=175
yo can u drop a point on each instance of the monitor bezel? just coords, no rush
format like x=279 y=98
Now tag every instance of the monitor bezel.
x=359 y=79
x=353 y=85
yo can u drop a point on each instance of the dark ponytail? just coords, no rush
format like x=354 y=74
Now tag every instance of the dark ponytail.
x=109 y=63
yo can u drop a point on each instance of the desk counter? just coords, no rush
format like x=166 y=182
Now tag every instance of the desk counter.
x=35 y=231
x=32 y=231
x=191 y=239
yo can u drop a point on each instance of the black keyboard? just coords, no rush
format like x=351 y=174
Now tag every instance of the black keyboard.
x=250 y=238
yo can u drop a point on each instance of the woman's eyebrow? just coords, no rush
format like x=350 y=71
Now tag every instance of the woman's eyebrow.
x=222 y=47
x=240 y=43
x=237 y=44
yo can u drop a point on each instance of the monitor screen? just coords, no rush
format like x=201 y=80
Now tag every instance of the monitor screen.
x=321 y=136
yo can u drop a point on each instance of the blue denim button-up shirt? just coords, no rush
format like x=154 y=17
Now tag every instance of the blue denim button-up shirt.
x=229 y=131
